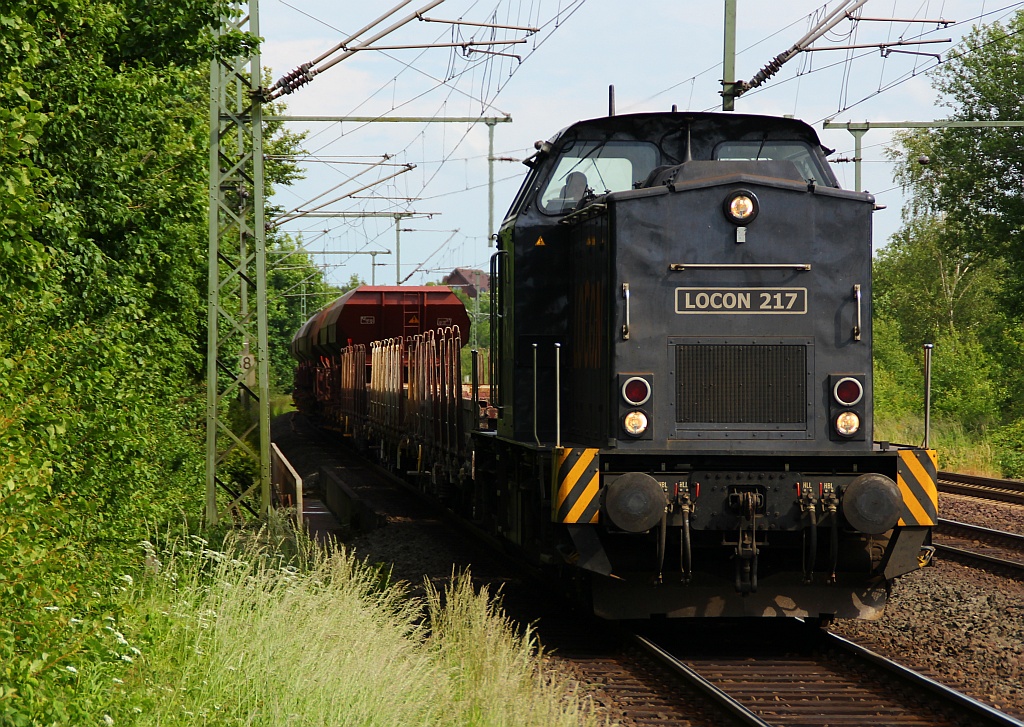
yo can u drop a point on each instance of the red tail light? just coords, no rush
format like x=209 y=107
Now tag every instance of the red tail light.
x=636 y=391
x=848 y=391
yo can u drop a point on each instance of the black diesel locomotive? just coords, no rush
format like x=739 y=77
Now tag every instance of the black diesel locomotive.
x=681 y=381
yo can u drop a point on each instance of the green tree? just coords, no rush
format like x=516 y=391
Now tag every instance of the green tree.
x=103 y=152
x=953 y=274
x=898 y=378
x=479 y=318
x=976 y=175
x=964 y=382
x=932 y=284
x=296 y=290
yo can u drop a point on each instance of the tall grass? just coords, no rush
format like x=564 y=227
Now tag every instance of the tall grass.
x=244 y=636
x=958 y=449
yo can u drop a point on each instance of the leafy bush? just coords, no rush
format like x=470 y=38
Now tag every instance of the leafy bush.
x=93 y=450
x=963 y=381
x=898 y=379
x=102 y=239
x=1008 y=442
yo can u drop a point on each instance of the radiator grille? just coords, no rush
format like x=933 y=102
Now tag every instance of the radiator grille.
x=741 y=384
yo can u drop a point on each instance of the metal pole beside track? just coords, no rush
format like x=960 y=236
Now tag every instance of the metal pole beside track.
x=237 y=266
x=927 y=393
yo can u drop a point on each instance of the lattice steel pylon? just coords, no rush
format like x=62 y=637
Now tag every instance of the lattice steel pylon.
x=237 y=433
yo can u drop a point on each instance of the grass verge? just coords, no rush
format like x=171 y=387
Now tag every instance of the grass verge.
x=243 y=635
x=959 y=449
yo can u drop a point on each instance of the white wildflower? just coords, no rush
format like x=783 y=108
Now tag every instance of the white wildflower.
x=117 y=681
x=128 y=579
x=51 y=609
x=108 y=720
x=135 y=651
x=75 y=621
x=214 y=555
x=125 y=657
x=71 y=669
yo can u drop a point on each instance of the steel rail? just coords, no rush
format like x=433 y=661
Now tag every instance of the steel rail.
x=982 y=715
x=989 y=488
x=989 y=715
x=1015 y=539
x=980 y=557
x=995 y=538
x=719 y=697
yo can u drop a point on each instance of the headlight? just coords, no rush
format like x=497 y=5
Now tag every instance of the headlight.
x=847 y=423
x=741 y=207
x=635 y=423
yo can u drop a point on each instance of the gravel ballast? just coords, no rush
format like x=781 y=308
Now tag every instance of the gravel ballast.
x=959 y=624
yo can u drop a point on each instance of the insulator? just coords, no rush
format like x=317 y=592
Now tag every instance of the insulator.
x=768 y=71
x=295 y=78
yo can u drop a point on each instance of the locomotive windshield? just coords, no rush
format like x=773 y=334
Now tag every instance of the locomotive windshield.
x=792 y=151
x=597 y=166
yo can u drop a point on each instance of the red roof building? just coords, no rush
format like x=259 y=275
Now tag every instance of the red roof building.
x=470 y=281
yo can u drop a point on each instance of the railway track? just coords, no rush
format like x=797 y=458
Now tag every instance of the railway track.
x=976 y=545
x=636 y=689
x=988 y=488
x=815 y=678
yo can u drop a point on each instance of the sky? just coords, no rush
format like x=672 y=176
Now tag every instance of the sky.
x=656 y=54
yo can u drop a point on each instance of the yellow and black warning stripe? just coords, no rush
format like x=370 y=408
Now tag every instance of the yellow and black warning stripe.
x=576 y=484
x=917 y=475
